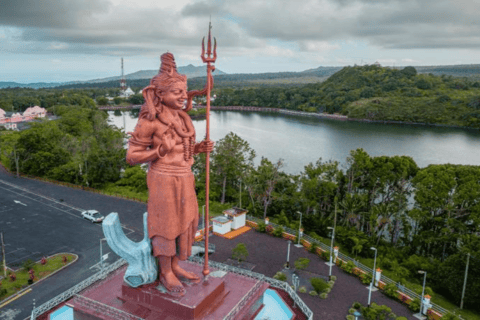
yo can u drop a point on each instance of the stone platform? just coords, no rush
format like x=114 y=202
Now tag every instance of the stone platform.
x=213 y=298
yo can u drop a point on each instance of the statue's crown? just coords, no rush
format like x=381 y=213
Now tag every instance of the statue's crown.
x=168 y=64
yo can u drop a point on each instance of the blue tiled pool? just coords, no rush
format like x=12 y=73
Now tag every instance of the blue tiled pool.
x=64 y=313
x=274 y=307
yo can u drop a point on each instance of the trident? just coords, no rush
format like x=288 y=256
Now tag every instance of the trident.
x=208 y=59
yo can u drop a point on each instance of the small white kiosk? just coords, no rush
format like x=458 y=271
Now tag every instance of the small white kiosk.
x=237 y=216
x=221 y=225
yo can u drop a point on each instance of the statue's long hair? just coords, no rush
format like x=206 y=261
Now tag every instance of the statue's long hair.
x=162 y=82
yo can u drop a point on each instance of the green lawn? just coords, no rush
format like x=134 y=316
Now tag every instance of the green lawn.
x=41 y=271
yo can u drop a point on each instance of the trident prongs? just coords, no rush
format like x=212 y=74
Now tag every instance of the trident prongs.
x=207 y=57
x=214 y=49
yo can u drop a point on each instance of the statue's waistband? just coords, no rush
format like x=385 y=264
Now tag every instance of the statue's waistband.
x=170 y=170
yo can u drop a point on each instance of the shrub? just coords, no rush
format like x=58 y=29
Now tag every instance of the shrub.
x=331 y=283
x=323 y=295
x=43 y=261
x=340 y=263
x=302 y=263
x=280 y=276
x=349 y=267
x=262 y=227
x=28 y=264
x=391 y=290
x=302 y=289
x=366 y=278
x=240 y=252
x=376 y=312
x=318 y=284
x=326 y=255
x=401 y=318
x=327 y=290
x=414 y=305
x=3 y=292
x=333 y=278
x=12 y=276
x=313 y=293
x=350 y=317
x=269 y=229
x=356 y=305
x=313 y=247
x=352 y=310
x=278 y=232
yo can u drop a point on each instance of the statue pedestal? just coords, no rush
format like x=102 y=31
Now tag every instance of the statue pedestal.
x=213 y=298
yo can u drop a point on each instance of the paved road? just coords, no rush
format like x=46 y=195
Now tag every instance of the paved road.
x=46 y=220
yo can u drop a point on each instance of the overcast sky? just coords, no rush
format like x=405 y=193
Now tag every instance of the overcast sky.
x=67 y=40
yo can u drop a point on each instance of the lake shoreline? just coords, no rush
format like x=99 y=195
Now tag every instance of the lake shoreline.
x=337 y=117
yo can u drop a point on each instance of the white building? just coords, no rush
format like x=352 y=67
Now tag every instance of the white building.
x=221 y=225
x=237 y=216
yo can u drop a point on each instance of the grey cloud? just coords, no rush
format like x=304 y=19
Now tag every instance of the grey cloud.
x=49 y=13
x=97 y=26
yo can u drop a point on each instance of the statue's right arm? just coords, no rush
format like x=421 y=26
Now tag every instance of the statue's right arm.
x=140 y=144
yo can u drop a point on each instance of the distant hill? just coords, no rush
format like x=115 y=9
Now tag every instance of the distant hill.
x=196 y=76
x=190 y=71
x=36 y=85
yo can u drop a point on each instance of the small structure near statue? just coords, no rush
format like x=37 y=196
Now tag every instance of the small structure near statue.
x=232 y=219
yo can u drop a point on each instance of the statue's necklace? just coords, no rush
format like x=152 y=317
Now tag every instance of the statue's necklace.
x=188 y=135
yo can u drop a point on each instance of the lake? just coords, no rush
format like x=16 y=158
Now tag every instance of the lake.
x=300 y=140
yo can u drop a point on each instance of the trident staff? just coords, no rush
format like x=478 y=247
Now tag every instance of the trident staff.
x=209 y=60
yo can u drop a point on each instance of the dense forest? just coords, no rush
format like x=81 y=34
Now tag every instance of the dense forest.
x=373 y=93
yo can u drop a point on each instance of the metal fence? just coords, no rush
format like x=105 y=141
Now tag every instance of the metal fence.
x=346 y=258
x=75 y=289
x=232 y=314
x=106 y=310
x=254 y=275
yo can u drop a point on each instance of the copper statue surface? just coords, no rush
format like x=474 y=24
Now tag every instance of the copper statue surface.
x=165 y=139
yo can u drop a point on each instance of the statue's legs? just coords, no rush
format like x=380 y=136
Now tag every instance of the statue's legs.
x=167 y=277
x=181 y=273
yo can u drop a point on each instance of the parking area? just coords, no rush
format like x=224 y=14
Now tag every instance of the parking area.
x=35 y=225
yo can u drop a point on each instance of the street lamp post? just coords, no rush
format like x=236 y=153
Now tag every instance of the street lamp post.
x=101 y=254
x=299 y=228
x=373 y=276
x=331 y=250
x=296 y=282
x=288 y=255
x=423 y=289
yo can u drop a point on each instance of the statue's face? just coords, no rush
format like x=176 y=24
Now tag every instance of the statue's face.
x=176 y=96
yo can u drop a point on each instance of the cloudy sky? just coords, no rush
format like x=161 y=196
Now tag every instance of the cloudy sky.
x=66 y=40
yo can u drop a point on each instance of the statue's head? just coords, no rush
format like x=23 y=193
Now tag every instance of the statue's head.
x=167 y=82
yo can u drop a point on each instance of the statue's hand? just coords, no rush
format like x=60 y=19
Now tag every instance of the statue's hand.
x=168 y=141
x=204 y=146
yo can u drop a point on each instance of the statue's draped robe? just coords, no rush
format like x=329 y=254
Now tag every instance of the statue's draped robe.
x=172 y=202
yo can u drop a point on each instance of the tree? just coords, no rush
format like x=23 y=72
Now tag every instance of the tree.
x=102 y=101
x=358 y=245
x=231 y=158
x=261 y=182
x=240 y=252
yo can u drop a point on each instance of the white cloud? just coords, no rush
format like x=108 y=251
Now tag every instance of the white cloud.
x=58 y=46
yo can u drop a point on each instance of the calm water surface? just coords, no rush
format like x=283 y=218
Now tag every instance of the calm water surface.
x=301 y=140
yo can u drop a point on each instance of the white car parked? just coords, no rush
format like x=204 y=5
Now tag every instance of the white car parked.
x=92 y=215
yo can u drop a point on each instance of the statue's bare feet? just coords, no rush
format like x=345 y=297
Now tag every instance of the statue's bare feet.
x=172 y=284
x=181 y=273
